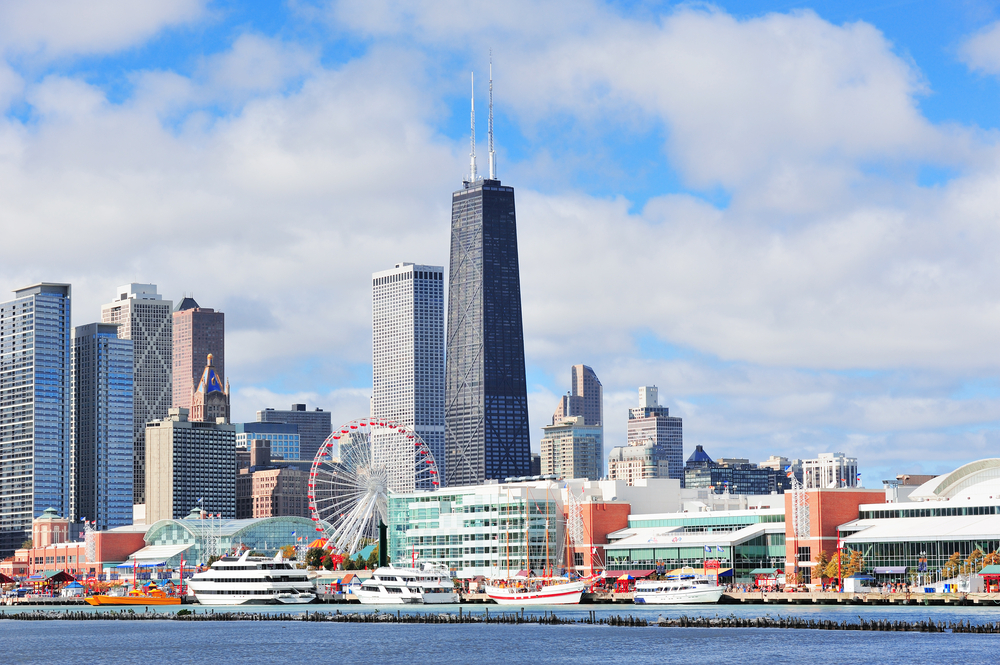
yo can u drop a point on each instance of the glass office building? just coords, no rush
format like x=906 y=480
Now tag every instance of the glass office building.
x=492 y=530
x=35 y=390
x=102 y=425
x=486 y=403
x=284 y=438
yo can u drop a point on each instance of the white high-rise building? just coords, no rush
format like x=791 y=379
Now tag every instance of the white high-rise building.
x=830 y=470
x=146 y=319
x=408 y=359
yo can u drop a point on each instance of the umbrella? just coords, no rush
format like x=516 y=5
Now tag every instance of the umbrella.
x=626 y=576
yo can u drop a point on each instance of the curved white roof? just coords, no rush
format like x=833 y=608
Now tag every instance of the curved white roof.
x=977 y=478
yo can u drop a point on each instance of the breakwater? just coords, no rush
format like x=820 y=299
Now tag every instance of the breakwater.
x=548 y=618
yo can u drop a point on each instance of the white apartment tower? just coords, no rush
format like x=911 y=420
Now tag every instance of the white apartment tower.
x=408 y=359
x=146 y=319
x=830 y=470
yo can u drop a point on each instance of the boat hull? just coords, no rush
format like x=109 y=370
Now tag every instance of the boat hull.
x=130 y=600
x=556 y=594
x=302 y=599
x=700 y=596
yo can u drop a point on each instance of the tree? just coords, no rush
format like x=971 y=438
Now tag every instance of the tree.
x=211 y=560
x=314 y=556
x=288 y=552
x=992 y=559
x=832 y=566
x=951 y=567
x=855 y=564
x=974 y=563
x=28 y=544
x=822 y=561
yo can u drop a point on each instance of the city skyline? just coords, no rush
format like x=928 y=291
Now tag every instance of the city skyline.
x=798 y=255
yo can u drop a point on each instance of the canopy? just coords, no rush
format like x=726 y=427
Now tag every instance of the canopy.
x=990 y=570
x=154 y=556
x=680 y=572
x=860 y=576
x=636 y=574
x=319 y=542
x=766 y=571
x=890 y=570
x=52 y=576
x=5 y=580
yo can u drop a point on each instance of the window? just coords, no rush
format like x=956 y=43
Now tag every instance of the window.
x=805 y=554
x=577 y=558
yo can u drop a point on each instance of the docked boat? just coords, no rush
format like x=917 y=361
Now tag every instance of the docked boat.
x=687 y=590
x=535 y=591
x=152 y=596
x=300 y=598
x=250 y=579
x=392 y=585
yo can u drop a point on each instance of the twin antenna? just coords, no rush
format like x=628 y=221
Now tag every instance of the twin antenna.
x=472 y=154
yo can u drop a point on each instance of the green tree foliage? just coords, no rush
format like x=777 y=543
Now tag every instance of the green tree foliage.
x=832 y=571
x=288 y=552
x=28 y=544
x=314 y=556
x=212 y=559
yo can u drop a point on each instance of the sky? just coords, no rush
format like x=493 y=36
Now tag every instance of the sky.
x=784 y=215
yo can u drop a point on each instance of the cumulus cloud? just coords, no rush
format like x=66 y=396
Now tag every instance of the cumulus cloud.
x=830 y=303
x=982 y=50
x=56 y=28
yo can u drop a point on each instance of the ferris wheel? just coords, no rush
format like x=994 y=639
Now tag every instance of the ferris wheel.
x=353 y=473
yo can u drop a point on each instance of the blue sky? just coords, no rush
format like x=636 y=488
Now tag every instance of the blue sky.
x=785 y=215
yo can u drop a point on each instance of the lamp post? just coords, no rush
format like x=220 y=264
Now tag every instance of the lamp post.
x=840 y=557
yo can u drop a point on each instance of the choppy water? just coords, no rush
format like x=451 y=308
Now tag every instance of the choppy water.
x=161 y=642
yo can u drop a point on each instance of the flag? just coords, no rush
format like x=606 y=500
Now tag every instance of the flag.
x=708 y=548
x=199 y=499
x=718 y=548
x=293 y=533
x=788 y=471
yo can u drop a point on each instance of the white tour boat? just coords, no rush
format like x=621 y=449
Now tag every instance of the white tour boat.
x=392 y=585
x=251 y=579
x=535 y=591
x=688 y=590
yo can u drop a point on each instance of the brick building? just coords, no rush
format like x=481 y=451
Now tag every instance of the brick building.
x=827 y=510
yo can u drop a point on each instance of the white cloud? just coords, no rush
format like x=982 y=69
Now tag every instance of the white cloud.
x=54 y=28
x=982 y=50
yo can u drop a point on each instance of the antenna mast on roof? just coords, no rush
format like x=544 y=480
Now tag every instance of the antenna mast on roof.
x=472 y=154
x=493 y=155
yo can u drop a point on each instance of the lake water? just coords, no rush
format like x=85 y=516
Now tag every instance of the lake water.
x=263 y=643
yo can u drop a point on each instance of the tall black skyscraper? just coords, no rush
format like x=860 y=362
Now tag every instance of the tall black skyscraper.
x=486 y=400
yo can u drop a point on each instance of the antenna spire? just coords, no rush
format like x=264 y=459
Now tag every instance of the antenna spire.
x=472 y=154
x=493 y=155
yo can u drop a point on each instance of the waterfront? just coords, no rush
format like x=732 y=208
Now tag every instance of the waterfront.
x=289 y=642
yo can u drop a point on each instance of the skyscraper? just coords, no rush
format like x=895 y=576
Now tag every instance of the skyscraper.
x=408 y=352
x=35 y=394
x=211 y=399
x=653 y=424
x=198 y=332
x=314 y=426
x=102 y=425
x=486 y=401
x=145 y=319
x=586 y=397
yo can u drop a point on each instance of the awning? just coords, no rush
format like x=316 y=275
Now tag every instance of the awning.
x=5 y=580
x=769 y=571
x=52 y=576
x=990 y=570
x=890 y=570
x=637 y=574
x=154 y=556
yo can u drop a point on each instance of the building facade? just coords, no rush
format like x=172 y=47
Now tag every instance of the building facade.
x=35 y=409
x=210 y=402
x=102 y=426
x=572 y=449
x=268 y=488
x=314 y=426
x=197 y=332
x=284 y=439
x=636 y=461
x=408 y=355
x=732 y=476
x=830 y=470
x=585 y=398
x=189 y=465
x=486 y=401
x=490 y=530
x=653 y=423
x=146 y=319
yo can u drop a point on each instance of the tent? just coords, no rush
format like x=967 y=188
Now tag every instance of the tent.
x=5 y=580
x=858 y=583
x=319 y=542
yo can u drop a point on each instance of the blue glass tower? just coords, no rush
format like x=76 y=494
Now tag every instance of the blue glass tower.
x=102 y=425
x=35 y=390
